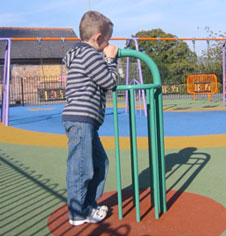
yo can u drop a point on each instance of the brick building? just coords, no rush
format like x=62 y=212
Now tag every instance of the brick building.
x=37 y=71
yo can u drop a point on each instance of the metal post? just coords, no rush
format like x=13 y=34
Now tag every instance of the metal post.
x=140 y=76
x=127 y=81
x=161 y=149
x=154 y=149
x=134 y=154
x=6 y=83
x=131 y=144
x=149 y=144
x=22 y=90
x=117 y=155
x=223 y=52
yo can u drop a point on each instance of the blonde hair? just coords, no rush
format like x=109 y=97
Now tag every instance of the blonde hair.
x=92 y=23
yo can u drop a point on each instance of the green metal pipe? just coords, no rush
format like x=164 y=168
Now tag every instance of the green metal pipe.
x=137 y=86
x=134 y=157
x=154 y=148
x=155 y=137
x=160 y=131
x=117 y=155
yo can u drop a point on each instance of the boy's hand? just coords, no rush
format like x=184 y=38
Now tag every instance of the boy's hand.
x=111 y=51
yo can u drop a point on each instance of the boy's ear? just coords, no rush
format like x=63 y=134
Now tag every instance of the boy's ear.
x=98 y=37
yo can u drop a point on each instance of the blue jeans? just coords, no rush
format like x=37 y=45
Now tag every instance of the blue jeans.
x=87 y=167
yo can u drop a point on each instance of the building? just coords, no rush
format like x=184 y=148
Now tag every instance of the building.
x=37 y=70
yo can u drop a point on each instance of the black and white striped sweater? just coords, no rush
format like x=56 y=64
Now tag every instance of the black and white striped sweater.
x=89 y=79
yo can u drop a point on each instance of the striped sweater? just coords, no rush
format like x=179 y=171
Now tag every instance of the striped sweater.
x=89 y=79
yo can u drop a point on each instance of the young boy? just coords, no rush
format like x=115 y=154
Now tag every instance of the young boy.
x=90 y=76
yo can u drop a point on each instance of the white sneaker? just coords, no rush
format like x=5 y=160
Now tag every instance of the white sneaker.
x=103 y=208
x=97 y=215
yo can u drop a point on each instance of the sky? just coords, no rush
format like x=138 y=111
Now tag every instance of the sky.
x=183 y=18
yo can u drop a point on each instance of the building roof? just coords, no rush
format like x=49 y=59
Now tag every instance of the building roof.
x=24 y=50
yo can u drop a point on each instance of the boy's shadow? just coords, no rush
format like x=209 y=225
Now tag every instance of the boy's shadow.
x=181 y=167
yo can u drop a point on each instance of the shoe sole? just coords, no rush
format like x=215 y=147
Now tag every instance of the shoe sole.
x=88 y=220
x=77 y=222
x=103 y=209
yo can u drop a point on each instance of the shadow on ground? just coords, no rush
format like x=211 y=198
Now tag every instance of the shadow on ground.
x=27 y=198
x=182 y=167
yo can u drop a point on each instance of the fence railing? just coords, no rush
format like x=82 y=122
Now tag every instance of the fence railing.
x=50 y=90
x=36 y=90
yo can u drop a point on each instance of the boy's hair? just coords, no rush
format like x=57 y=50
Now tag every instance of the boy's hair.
x=92 y=23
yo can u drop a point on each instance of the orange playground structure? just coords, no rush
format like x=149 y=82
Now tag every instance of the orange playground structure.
x=202 y=84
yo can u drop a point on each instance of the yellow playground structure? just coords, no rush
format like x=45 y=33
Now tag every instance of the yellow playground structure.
x=202 y=84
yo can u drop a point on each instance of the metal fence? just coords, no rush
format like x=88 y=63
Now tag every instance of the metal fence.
x=37 y=90
x=51 y=90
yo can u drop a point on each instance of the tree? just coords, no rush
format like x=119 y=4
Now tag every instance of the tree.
x=174 y=58
x=211 y=59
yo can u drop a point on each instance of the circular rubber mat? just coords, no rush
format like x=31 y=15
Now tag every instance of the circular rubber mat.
x=188 y=214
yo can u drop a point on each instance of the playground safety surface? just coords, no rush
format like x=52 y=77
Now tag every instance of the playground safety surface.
x=33 y=193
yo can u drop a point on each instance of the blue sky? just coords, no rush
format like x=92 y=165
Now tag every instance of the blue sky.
x=184 y=18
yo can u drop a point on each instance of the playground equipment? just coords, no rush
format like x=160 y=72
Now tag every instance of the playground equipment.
x=5 y=83
x=224 y=76
x=202 y=83
x=6 y=74
x=140 y=81
x=155 y=137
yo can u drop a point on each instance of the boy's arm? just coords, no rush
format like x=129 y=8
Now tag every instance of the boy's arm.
x=102 y=73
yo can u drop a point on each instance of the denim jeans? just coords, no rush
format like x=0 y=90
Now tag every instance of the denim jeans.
x=87 y=167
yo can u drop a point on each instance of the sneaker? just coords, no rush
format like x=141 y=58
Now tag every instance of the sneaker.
x=97 y=215
x=103 y=208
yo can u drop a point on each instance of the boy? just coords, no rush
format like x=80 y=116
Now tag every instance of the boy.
x=90 y=76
